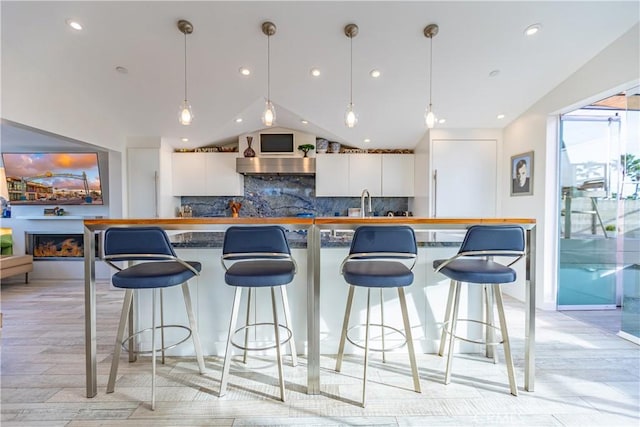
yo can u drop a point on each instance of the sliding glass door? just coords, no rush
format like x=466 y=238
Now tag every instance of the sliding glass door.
x=600 y=205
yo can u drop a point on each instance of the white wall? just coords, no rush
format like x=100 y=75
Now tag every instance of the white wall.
x=616 y=68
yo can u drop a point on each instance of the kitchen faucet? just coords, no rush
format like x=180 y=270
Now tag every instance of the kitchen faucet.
x=365 y=193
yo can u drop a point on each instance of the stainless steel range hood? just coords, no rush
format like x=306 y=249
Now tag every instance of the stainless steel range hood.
x=276 y=165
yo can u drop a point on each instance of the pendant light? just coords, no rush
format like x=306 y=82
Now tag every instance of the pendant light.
x=350 y=117
x=430 y=31
x=185 y=117
x=269 y=113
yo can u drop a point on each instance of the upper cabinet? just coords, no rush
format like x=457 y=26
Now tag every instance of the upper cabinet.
x=365 y=173
x=397 y=175
x=332 y=175
x=206 y=174
x=346 y=175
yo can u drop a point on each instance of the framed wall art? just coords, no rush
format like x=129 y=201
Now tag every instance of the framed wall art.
x=522 y=174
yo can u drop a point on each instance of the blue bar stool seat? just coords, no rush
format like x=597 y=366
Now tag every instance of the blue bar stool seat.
x=380 y=257
x=158 y=268
x=258 y=257
x=474 y=264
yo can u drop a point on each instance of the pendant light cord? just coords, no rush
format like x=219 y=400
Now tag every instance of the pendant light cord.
x=185 y=66
x=430 y=69
x=351 y=73
x=268 y=68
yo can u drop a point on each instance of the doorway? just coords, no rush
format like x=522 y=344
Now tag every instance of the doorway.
x=599 y=209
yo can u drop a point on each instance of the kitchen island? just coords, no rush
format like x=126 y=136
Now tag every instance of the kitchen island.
x=314 y=229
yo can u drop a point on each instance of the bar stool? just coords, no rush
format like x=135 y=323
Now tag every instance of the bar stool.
x=258 y=257
x=159 y=268
x=473 y=264
x=378 y=258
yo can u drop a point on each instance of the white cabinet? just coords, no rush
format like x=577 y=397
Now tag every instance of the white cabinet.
x=397 y=175
x=346 y=175
x=187 y=173
x=332 y=175
x=365 y=172
x=206 y=174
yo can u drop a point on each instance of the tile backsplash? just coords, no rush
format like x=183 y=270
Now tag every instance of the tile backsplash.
x=286 y=195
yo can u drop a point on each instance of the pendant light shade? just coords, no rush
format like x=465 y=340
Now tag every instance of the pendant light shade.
x=430 y=31
x=269 y=113
x=185 y=116
x=350 y=116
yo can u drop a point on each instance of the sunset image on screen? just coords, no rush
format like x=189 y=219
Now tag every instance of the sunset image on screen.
x=53 y=178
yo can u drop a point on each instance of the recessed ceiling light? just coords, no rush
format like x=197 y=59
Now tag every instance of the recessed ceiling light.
x=183 y=139
x=500 y=116
x=532 y=29
x=494 y=73
x=121 y=69
x=315 y=72
x=74 y=24
x=239 y=120
x=375 y=73
x=244 y=71
x=442 y=120
x=304 y=122
x=367 y=140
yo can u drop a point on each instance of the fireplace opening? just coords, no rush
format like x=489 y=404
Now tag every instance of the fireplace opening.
x=57 y=246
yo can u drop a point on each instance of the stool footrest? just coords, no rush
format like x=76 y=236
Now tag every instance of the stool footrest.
x=167 y=347
x=395 y=347
x=458 y=337
x=242 y=347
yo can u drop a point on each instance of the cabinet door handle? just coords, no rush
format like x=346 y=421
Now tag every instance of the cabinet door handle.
x=435 y=193
x=155 y=192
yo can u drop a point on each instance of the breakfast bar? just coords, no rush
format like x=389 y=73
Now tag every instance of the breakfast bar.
x=313 y=228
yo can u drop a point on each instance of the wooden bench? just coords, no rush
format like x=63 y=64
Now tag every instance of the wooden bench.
x=10 y=265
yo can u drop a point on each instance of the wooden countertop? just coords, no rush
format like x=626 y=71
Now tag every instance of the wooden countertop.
x=419 y=220
x=305 y=221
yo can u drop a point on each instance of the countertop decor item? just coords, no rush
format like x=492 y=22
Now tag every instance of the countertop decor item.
x=335 y=147
x=305 y=148
x=235 y=208
x=249 y=152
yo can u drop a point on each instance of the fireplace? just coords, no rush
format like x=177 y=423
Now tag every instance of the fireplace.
x=57 y=246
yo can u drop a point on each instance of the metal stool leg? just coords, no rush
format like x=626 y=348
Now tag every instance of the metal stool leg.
x=505 y=340
x=276 y=329
x=287 y=323
x=454 y=321
x=133 y=345
x=345 y=326
x=126 y=307
x=366 y=349
x=194 y=327
x=384 y=357
x=409 y=336
x=153 y=350
x=227 y=354
x=446 y=325
x=162 y=324
x=246 y=331
x=490 y=332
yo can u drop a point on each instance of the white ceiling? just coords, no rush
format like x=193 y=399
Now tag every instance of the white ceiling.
x=63 y=81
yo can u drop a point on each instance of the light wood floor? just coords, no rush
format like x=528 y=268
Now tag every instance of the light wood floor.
x=585 y=376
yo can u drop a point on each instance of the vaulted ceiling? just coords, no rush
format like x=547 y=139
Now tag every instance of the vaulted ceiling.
x=65 y=81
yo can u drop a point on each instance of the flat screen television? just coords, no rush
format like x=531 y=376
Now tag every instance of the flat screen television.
x=276 y=143
x=53 y=178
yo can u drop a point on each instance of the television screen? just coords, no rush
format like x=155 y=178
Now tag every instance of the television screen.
x=53 y=178
x=276 y=143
